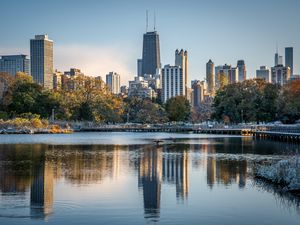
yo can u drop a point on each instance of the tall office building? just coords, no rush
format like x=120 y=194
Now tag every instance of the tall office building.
x=242 y=72
x=113 y=82
x=218 y=69
x=263 y=73
x=210 y=77
x=276 y=59
x=289 y=61
x=12 y=64
x=151 y=53
x=173 y=82
x=198 y=92
x=181 y=59
x=139 y=67
x=41 y=56
x=280 y=74
x=233 y=75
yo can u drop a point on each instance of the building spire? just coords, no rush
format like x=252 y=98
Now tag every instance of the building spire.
x=146 y=21
x=154 y=20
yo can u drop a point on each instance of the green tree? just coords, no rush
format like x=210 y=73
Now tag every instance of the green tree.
x=178 y=108
x=249 y=101
x=144 y=111
x=289 y=102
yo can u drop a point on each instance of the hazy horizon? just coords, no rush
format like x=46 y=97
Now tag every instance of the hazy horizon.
x=102 y=36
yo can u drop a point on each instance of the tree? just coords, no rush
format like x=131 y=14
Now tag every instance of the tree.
x=289 y=102
x=249 y=101
x=144 y=111
x=178 y=108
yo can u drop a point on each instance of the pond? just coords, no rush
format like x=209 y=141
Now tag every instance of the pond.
x=126 y=178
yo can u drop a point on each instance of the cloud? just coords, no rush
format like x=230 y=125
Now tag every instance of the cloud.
x=95 y=60
x=92 y=60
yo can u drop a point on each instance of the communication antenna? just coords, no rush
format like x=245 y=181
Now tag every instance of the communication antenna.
x=146 y=20
x=154 y=20
x=277 y=47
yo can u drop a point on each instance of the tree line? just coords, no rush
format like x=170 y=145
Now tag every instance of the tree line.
x=88 y=99
x=83 y=99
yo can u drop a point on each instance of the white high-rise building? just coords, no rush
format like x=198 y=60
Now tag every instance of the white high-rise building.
x=181 y=59
x=280 y=74
x=173 y=82
x=263 y=73
x=113 y=82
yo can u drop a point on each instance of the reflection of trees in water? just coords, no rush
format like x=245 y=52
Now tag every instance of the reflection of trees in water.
x=86 y=164
x=285 y=199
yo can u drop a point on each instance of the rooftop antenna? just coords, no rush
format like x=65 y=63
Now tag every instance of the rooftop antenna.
x=277 y=47
x=154 y=20
x=146 y=20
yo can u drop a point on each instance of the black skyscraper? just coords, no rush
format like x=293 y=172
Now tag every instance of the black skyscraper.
x=289 y=58
x=151 y=53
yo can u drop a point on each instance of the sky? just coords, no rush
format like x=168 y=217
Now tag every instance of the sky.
x=99 y=36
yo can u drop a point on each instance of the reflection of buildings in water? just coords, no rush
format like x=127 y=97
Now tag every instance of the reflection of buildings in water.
x=176 y=171
x=226 y=171
x=149 y=179
x=41 y=192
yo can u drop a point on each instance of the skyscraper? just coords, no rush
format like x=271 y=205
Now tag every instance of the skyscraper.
x=198 y=92
x=41 y=54
x=181 y=59
x=280 y=74
x=233 y=75
x=151 y=53
x=139 y=67
x=113 y=82
x=289 y=59
x=210 y=77
x=263 y=73
x=14 y=63
x=172 y=82
x=242 y=72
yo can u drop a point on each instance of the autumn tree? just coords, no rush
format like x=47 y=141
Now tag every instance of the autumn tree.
x=178 y=108
x=289 y=102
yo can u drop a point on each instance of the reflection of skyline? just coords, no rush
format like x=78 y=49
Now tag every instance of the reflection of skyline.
x=149 y=179
x=156 y=166
x=176 y=171
x=41 y=191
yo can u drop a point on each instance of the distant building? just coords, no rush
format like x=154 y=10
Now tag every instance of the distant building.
x=57 y=80
x=210 y=77
x=139 y=67
x=12 y=64
x=242 y=72
x=41 y=56
x=233 y=75
x=263 y=73
x=139 y=87
x=151 y=53
x=295 y=77
x=113 y=82
x=181 y=59
x=198 y=92
x=217 y=76
x=280 y=74
x=289 y=61
x=173 y=82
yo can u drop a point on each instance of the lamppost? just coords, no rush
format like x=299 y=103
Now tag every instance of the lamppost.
x=53 y=114
x=242 y=112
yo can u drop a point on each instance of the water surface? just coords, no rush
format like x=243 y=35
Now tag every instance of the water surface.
x=125 y=178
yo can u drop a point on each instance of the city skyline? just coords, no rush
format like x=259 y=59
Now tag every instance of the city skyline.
x=118 y=41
